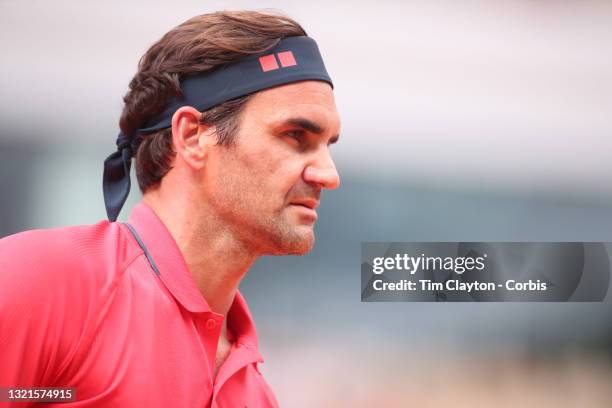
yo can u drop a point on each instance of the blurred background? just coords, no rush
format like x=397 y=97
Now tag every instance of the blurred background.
x=462 y=121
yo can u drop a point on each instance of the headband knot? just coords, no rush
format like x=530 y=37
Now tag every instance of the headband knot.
x=123 y=141
x=116 y=179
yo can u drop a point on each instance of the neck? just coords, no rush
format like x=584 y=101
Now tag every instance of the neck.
x=215 y=257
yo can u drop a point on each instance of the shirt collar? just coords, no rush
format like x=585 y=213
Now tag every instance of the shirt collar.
x=175 y=275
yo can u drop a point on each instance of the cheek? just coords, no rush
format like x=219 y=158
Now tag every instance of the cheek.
x=271 y=170
x=259 y=160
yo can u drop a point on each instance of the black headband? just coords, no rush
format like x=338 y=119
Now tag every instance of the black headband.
x=292 y=59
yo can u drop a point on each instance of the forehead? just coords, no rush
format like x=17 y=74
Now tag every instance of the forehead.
x=311 y=99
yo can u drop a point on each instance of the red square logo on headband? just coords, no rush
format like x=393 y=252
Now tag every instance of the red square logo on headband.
x=286 y=59
x=268 y=63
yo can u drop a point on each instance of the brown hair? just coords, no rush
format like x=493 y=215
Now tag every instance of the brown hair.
x=198 y=45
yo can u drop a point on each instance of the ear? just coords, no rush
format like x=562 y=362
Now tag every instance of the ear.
x=190 y=137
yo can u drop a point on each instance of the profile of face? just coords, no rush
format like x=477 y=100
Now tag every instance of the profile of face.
x=267 y=185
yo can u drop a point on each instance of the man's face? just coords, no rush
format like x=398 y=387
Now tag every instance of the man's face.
x=266 y=186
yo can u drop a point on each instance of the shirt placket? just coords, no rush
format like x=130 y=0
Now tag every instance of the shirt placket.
x=209 y=328
x=241 y=355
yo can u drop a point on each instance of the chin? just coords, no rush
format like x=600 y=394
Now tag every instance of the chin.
x=303 y=249
x=293 y=244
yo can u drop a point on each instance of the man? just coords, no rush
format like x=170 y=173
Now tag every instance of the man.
x=230 y=118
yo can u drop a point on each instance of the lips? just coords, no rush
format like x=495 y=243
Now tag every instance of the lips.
x=307 y=202
x=306 y=207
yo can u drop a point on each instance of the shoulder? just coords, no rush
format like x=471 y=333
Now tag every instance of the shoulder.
x=53 y=287
x=68 y=265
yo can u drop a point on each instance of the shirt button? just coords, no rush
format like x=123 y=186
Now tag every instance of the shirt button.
x=211 y=324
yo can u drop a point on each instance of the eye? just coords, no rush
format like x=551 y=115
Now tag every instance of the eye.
x=297 y=137
x=295 y=134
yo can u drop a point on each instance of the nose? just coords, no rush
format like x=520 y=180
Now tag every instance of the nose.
x=323 y=172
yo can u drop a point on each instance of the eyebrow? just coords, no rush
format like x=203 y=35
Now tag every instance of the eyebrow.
x=310 y=126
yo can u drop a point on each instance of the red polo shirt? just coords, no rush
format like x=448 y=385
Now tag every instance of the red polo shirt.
x=84 y=307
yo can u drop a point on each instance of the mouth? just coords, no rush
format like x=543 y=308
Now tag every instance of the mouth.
x=306 y=206
x=310 y=203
